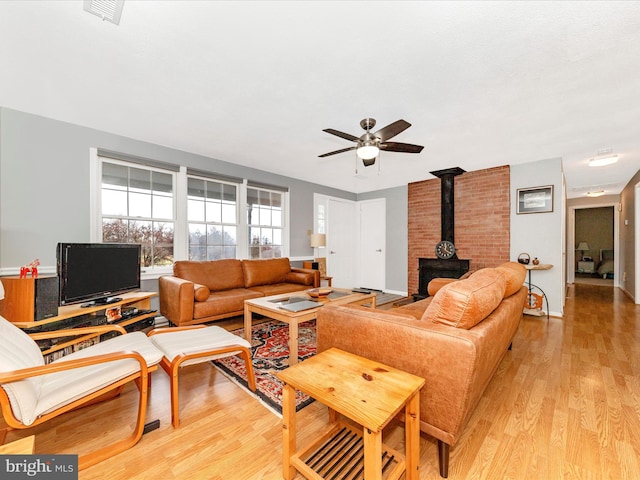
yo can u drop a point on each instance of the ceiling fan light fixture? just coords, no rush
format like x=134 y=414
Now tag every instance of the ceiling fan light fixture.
x=602 y=161
x=367 y=151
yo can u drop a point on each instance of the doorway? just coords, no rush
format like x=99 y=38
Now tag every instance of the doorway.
x=593 y=246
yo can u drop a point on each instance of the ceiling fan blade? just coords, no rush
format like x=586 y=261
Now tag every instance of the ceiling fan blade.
x=337 y=151
x=400 y=147
x=392 y=130
x=340 y=134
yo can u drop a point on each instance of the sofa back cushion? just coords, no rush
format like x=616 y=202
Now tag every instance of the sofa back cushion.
x=265 y=272
x=218 y=275
x=514 y=275
x=466 y=303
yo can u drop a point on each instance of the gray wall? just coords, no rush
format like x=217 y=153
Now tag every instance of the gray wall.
x=44 y=186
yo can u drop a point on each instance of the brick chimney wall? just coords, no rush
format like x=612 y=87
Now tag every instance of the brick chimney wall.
x=481 y=212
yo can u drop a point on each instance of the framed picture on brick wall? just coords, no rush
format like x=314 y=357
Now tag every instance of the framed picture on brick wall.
x=535 y=199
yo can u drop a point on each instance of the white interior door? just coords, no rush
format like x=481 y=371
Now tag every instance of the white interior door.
x=372 y=245
x=342 y=241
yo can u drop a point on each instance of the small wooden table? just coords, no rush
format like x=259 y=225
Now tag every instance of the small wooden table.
x=367 y=392
x=270 y=307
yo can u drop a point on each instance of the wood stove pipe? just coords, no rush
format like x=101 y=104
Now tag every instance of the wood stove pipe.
x=447 y=221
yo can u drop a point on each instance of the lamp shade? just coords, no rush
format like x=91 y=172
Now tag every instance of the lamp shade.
x=318 y=240
x=583 y=247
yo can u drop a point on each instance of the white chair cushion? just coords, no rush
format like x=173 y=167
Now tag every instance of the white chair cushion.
x=197 y=341
x=18 y=351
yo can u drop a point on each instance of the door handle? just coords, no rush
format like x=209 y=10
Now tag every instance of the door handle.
x=379 y=250
x=331 y=252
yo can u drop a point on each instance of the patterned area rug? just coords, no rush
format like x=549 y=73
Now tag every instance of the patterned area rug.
x=270 y=352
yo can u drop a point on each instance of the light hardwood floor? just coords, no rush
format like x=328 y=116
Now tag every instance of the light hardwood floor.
x=564 y=403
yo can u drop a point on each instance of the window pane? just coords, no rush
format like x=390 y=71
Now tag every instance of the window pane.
x=230 y=235
x=114 y=176
x=277 y=236
x=139 y=180
x=114 y=230
x=276 y=218
x=213 y=212
x=214 y=190
x=114 y=202
x=229 y=213
x=162 y=207
x=229 y=193
x=195 y=211
x=139 y=205
x=197 y=252
x=214 y=235
x=195 y=187
x=162 y=182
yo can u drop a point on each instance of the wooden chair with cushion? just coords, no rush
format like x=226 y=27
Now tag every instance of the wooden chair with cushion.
x=33 y=393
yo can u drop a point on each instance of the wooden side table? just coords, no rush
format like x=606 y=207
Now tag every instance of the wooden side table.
x=367 y=392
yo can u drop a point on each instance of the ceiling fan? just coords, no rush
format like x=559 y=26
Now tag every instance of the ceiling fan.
x=369 y=144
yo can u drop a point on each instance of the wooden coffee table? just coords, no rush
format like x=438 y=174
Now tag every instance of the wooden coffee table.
x=269 y=307
x=367 y=392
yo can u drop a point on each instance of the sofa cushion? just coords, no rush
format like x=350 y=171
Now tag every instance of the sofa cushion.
x=265 y=272
x=514 y=275
x=466 y=303
x=216 y=275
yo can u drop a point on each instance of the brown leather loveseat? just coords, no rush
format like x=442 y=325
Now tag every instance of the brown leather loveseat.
x=200 y=292
x=455 y=340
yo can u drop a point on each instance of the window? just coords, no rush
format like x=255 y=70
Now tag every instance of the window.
x=179 y=213
x=212 y=211
x=265 y=223
x=137 y=206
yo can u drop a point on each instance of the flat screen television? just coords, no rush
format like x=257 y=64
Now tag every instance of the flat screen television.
x=93 y=273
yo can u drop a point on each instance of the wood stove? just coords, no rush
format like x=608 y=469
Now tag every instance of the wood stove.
x=430 y=268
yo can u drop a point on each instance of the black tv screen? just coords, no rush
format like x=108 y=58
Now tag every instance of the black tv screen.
x=95 y=272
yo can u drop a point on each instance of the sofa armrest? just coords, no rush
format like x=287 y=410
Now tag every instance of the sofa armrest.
x=304 y=273
x=176 y=299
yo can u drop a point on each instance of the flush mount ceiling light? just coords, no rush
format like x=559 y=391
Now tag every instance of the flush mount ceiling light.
x=107 y=10
x=602 y=161
x=597 y=193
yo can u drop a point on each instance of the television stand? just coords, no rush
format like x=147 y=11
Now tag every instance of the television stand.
x=101 y=301
x=138 y=314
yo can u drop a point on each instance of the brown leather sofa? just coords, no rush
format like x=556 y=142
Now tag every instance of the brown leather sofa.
x=200 y=292
x=455 y=340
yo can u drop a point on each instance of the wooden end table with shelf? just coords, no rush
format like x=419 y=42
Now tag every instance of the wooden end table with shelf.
x=367 y=392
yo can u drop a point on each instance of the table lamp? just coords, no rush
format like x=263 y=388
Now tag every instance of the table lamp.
x=582 y=247
x=318 y=240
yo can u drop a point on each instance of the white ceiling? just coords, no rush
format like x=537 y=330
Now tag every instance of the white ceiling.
x=254 y=83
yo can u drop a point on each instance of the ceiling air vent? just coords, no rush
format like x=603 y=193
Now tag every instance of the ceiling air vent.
x=108 y=10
